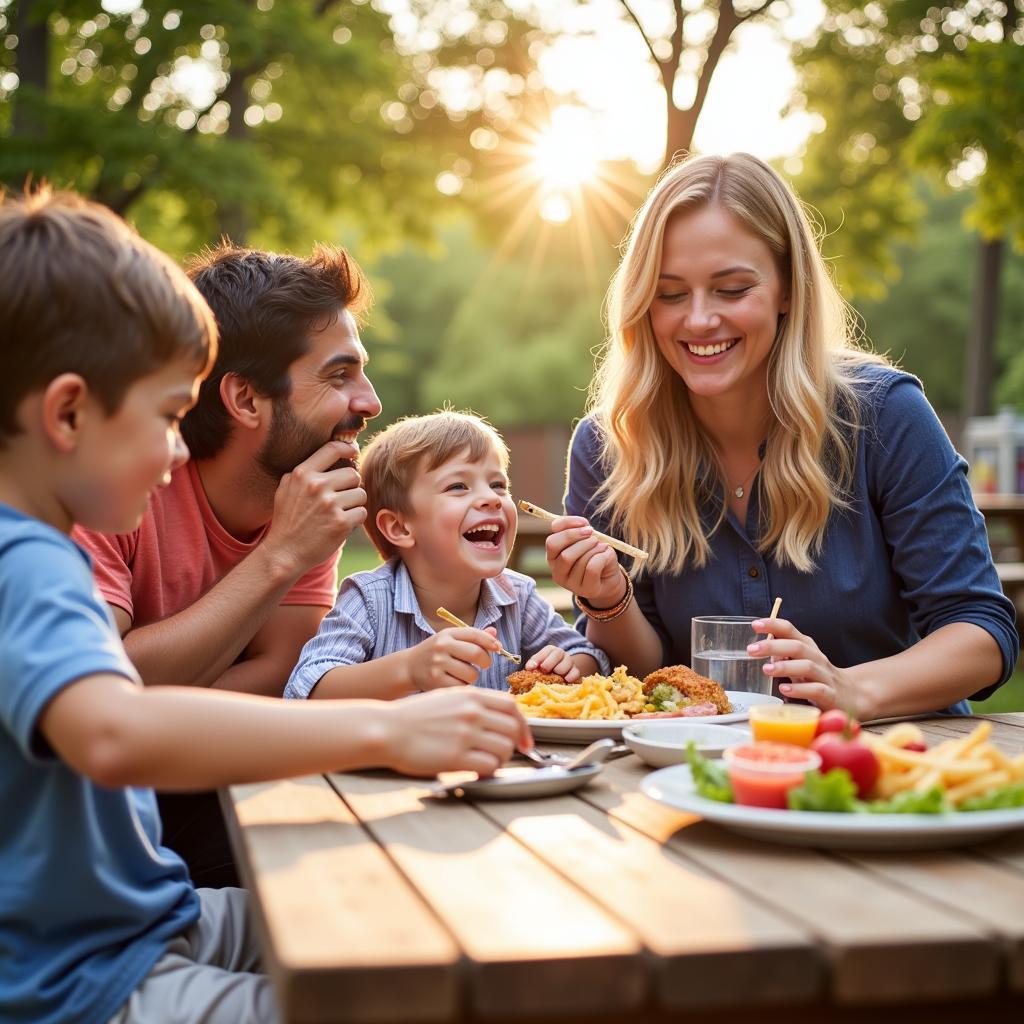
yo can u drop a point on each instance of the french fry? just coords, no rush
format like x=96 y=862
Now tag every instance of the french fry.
x=979 y=784
x=591 y=699
x=902 y=733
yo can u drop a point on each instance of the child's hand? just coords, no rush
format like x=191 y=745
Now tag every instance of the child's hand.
x=583 y=564
x=451 y=730
x=555 y=661
x=452 y=657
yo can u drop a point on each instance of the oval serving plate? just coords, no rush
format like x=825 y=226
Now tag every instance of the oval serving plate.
x=674 y=786
x=570 y=730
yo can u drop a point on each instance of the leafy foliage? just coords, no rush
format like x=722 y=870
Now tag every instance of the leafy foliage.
x=902 y=85
x=275 y=119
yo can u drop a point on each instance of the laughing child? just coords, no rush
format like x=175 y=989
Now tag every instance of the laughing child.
x=439 y=510
x=103 y=345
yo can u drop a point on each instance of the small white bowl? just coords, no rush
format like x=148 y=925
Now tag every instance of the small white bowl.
x=661 y=742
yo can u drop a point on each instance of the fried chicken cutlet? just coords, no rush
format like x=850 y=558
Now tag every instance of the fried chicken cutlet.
x=694 y=687
x=524 y=681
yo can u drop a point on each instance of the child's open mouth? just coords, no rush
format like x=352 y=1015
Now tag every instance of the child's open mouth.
x=486 y=535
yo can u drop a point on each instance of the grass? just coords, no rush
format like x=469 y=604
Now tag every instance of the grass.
x=1009 y=696
x=359 y=554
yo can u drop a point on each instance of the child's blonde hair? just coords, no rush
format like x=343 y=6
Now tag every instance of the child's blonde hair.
x=390 y=462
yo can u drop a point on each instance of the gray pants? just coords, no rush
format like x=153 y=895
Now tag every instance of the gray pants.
x=209 y=974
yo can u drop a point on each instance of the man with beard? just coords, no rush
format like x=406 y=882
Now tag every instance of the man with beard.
x=234 y=564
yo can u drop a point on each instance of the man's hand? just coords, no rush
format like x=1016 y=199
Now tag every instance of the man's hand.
x=452 y=657
x=554 y=661
x=316 y=507
x=453 y=730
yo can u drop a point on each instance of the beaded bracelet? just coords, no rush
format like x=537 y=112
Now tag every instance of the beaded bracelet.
x=607 y=614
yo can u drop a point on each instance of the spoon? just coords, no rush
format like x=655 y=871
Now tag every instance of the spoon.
x=594 y=754
x=598 y=751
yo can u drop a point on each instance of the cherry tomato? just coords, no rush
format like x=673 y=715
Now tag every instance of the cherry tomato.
x=839 y=751
x=837 y=720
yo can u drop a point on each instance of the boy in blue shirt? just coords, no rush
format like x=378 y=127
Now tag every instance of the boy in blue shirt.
x=438 y=508
x=104 y=345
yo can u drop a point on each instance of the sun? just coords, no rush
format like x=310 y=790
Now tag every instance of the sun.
x=564 y=153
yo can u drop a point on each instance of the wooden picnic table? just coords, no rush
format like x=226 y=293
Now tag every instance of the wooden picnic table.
x=378 y=903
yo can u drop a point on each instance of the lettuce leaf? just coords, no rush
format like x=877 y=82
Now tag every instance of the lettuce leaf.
x=932 y=801
x=1010 y=795
x=833 y=791
x=709 y=777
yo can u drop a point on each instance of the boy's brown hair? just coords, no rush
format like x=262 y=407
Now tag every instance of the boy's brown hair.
x=390 y=462
x=81 y=292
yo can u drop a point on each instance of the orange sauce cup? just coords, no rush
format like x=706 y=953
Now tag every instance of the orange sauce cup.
x=763 y=773
x=784 y=723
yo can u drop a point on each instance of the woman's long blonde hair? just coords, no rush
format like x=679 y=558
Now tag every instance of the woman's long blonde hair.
x=661 y=465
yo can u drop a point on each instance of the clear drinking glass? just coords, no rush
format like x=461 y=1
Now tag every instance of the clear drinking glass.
x=718 y=650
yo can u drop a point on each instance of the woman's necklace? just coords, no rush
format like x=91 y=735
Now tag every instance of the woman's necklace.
x=741 y=488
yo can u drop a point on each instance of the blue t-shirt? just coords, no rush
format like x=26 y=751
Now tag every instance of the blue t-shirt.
x=88 y=896
x=909 y=556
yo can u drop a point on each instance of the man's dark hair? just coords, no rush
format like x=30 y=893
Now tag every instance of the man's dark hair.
x=81 y=292
x=267 y=306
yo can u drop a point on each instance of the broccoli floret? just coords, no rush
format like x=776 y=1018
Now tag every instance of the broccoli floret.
x=664 y=694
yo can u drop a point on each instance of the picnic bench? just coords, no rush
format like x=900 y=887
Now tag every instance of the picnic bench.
x=1004 y=518
x=377 y=903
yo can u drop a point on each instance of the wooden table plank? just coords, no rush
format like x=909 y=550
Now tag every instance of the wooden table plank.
x=532 y=942
x=334 y=912
x=708 y=941
x=882 y=943
x=986 y=892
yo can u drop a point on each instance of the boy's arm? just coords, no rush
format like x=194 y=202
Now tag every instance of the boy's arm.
x=180 y=738
x=386 y=678
x=452 y=657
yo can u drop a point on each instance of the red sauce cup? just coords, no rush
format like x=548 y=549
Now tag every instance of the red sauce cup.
x=763 y=773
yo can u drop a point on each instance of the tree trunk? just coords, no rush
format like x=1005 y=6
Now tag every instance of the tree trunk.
x=33 y=59
x=232 y=215
x=981 y=340
x=679 y=131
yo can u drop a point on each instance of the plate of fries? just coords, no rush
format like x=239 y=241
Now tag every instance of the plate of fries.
x=601 y=706
x=963 y=769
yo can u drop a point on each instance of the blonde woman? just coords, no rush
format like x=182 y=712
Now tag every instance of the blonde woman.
x=738 y=435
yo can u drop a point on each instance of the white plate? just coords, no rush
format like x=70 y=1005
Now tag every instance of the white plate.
x=521 y=783
x=674 y=786
x=661 y=742
x=570 y=730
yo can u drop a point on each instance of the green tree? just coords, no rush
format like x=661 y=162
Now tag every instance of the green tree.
x=922 y=323
x=495 y=336
x=686 y=41
x=908 y=85
x=241 y=116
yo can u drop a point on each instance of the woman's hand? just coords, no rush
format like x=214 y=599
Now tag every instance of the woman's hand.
x=812 y=676
x=583 y=564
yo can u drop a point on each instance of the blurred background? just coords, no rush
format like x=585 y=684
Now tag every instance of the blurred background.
x=481 y=159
